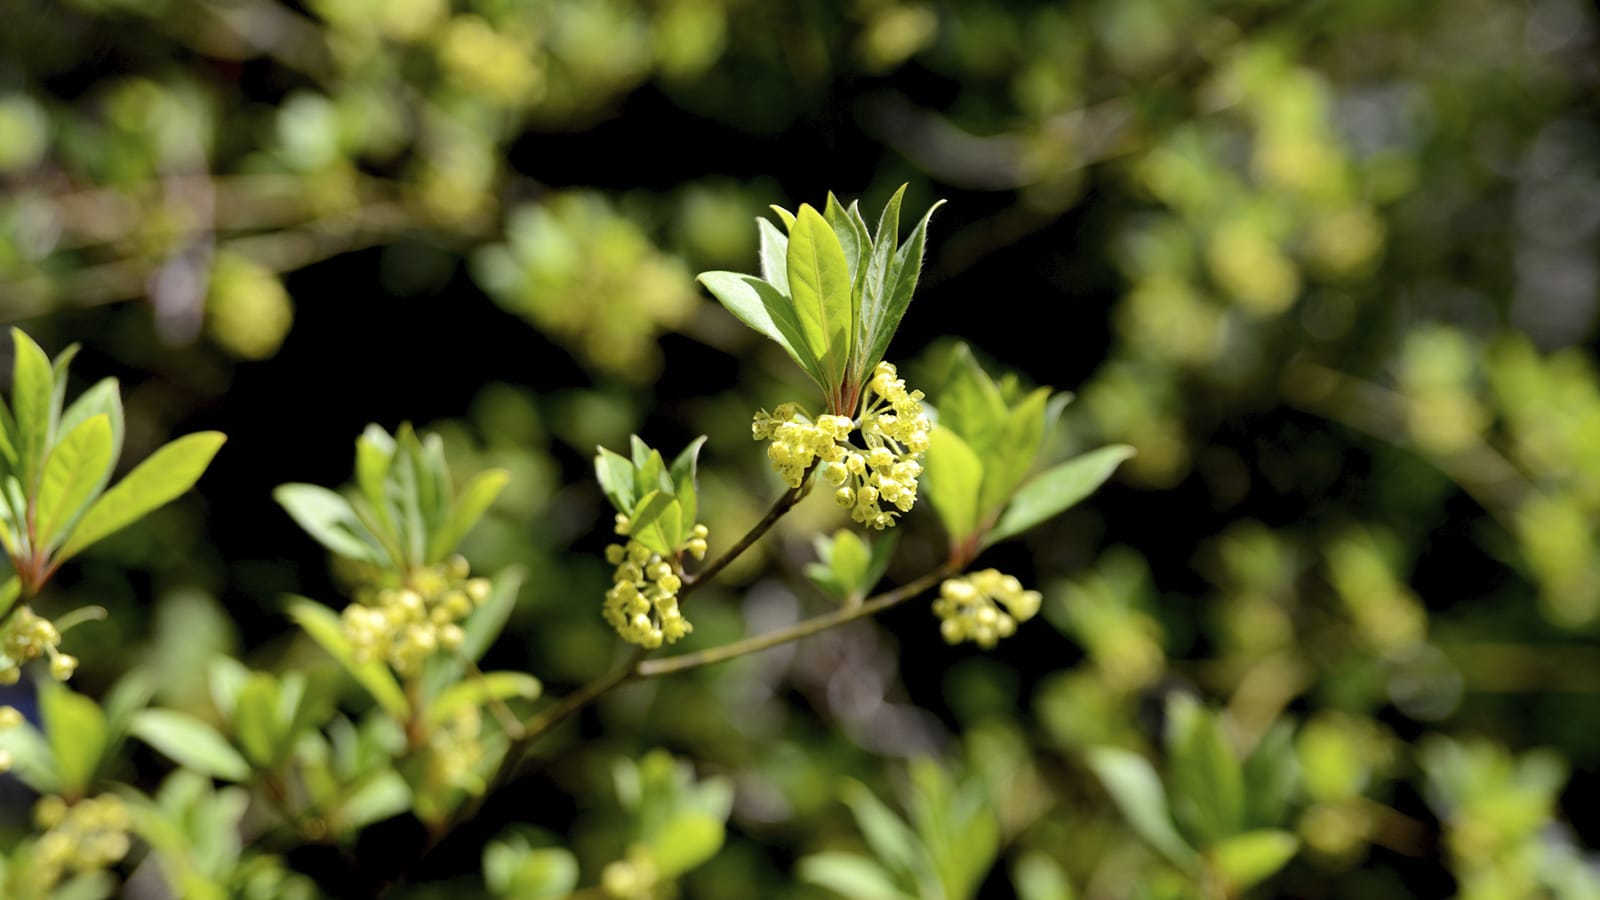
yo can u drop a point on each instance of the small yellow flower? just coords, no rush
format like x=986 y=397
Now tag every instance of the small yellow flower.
x=968 y=611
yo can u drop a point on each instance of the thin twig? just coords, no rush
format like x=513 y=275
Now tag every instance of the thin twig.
x=657 y=667
x=784 y=503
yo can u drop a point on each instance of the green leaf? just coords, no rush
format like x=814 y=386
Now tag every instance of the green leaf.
x=1253 y=857
x=685 y=841
x=1133 y=785
x=32 y=392
x=857 y=246
x=1270 y=775
x=512 y=869
x=10 y=590
x=474 y=500
x=875 y=285
x=850 y=875
x=902 y=280
x=819 y=283
x=891 y=839
x=786 y=217
x=970 y=403
x=1057 y=489
x=104 y=398
x=190 y=743
x=9 y=441
x=1036 y=876
x=324 y=627
x=374 y=458
x=767 y=310
x=31 y=758
x=684 y=470
x=76 y=729
x=774 y=256
x=255 y=720
x=74 y=470
x=329 y=519
x=1207 y=778
x=849 y=559
x=382 y=796
x=615 y=474
x=1008 y=459
x=655 y=515
x=952 y=477
x=154 y=483
x=225 y=677
x=475 y=692
x=482 y=626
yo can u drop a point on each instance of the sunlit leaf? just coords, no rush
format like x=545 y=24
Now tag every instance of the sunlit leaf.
x=157 y=481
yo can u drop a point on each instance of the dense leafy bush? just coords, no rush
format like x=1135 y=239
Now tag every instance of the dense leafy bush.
x=1323 y=277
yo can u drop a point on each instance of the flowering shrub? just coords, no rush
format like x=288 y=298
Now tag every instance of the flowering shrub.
x=418 y=623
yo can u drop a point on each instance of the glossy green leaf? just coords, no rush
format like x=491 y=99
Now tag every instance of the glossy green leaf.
x=190 y=743
x=323 y=625
x=374 y=458
x=767 y=310
x=952 y=477
x=856 y=243
x=1133 y=785
x=784 y=216
x=1251 y=858
x=901 y=283
x=1007 y=460
x=685 y=470
x=482 y=626
x=656 y=517
x=74 y=469
x=58 y=383
x=477 y=691
x=819 y=284
x=774 y=256
x=1058 y=489
x=32 y=392
x=850 y=559
x=104 y=398
x=970 y=403
x=615 y=474
x=851 y=876
x=157 y=481
x=76 y=730
x=686 y=841
x=475 y=498
x=875 y=283
x=329 y=519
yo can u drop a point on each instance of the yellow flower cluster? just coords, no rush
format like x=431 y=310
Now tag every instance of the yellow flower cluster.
x=10 y=718
x=967 y=606
x=457 y=749
x=87 y=836
x=876 y=483
x=642 y=604
x=633 y=878
x=26 y=636
x=404 y=625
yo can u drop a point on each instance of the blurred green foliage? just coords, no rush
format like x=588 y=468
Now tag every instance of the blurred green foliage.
x=1329 y=268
